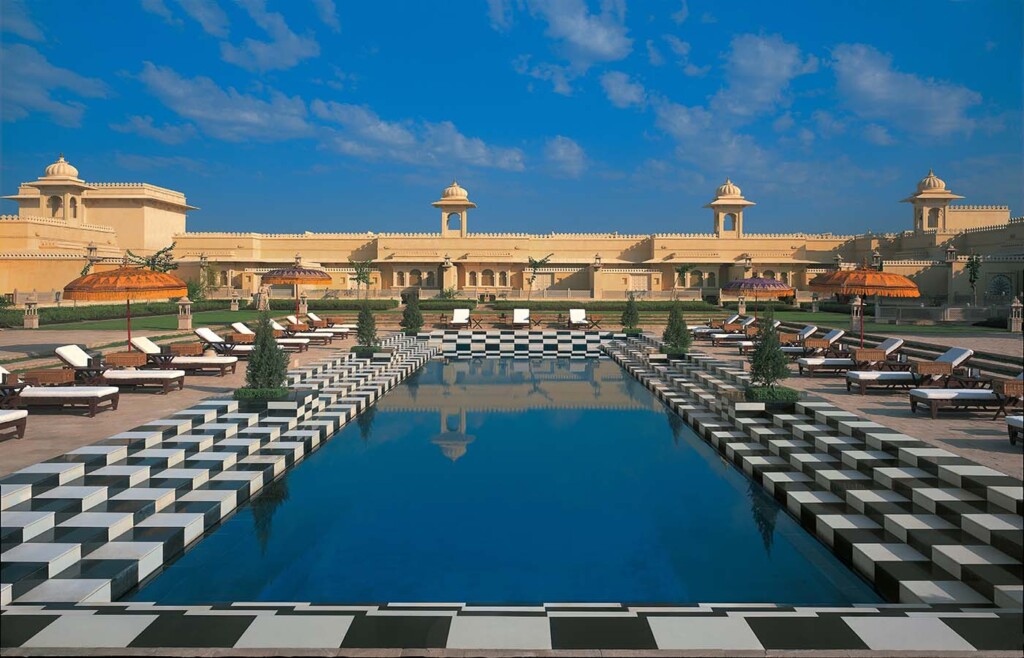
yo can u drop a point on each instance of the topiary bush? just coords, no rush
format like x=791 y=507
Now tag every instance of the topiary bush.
x=268 y=365
x=677 y=336
x=630 y=315
x=769 y=365
x=366 y=327
x=412 y=319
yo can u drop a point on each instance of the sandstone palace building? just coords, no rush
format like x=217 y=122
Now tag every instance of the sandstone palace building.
x=63 y=220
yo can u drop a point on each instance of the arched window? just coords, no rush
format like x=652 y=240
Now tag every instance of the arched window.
x=1000 y=286
x=400 y=278
x=709 y=280
x=454 y=222
x=415 y=278
x=503 y=279
x=472 y=278
x=696 y=279
x=54 y=204
x=429 y=280
x=933 y=218
x=729 y=222
x=74 y=208
x=487 y=278
x=768 y=274
x=785 y=278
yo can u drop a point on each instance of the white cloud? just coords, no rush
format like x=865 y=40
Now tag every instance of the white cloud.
x=827 y=124
x=559 y=76
x=328 y=14
x=31 y=83
x=365 y=135
x=208 y=14
x=15 y=18
x=586 y=38
x=284 y=50
x=144 y=126
x=874 y=90
x=566 y=156
x=676 y=45
x=681 y=49
x=653 y=54
x=694 y=71
x=621 y=91
x=225 y=113
x=783 y=123
x=143 y=162
x=681 y=121
x=160 y=8
x=499 y=12
x=877 y=134
x=680 y=16
x=759 y=70
x=806 y=136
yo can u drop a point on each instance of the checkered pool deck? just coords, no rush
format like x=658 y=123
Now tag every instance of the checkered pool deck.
x=935 y=533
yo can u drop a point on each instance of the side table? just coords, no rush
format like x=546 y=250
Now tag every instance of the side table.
x=49 y=377
x=134 y=359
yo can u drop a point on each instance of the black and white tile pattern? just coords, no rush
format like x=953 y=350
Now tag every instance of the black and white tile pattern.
x=511 y=344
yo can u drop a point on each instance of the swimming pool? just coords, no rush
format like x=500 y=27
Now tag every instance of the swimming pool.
x=512 y=482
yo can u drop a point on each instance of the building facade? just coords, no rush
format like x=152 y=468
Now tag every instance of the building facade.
x=62 y=221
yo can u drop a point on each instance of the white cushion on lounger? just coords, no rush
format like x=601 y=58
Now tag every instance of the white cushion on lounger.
x=84 y=392
x=520 y=316
x=1015 y=421
x=292 y=319
x=132 y=373
x=73 y=355
x=834 y=335
x=806 y=332
x=204 y=360
x=953 y=393
x=793 y=349
x=460 y=316
x=746 y=343
x=8 y=415
x=890 y=345
x=241 y=328
x=827 y=362
x=577 y=316
x=955 y=355
x=727 y=336
x=145 y=345
x=207 y=334
x=748 y=321
x=286 y=341
x=242 y=348
x=880 y=376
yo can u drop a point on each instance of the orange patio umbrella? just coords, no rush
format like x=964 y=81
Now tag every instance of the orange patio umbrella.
x=296 y=275
x=128 y=282
x=864 y=281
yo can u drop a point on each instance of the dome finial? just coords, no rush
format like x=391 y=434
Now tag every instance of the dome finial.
x=61 y=169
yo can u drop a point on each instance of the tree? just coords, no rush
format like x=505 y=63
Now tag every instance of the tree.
x=366 y=327
x=161 y=261
x=268 y=364
x=631 y=316
x=974 y=274
x=535 y=265
x=769 y=365
x=412 y=318
x=362 y=275
x=677 y=335
x=681 y=271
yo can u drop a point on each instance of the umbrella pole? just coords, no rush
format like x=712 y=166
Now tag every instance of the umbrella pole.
x=129 y=318
x=862 y=321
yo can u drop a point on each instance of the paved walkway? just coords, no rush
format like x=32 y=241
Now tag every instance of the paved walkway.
x=1007 y=343
x=51 y=433
x=970 y=434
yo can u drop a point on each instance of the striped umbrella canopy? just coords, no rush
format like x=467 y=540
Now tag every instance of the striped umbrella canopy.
x=128 y=282
x=864 y=281
x=297 y=275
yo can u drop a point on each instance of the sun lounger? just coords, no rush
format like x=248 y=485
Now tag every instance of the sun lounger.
x=286 y=344
x=741 y=333
x=23 y=395
x=17 y=418
x=521 y=317
x=578 y=318
x=928 y=372
x=810 y=346
x=460 y=318
x=161 y=359
x=1014 y=428
x=998 y=397
x=714 y=326
x=320 y=338
x=74 y=357
x=861 y=359
x=221 y=346
x=318 y=325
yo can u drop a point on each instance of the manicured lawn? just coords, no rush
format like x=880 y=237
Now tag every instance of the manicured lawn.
x=160 y=322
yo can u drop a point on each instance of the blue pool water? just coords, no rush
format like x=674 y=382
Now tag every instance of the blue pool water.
x=512 y=482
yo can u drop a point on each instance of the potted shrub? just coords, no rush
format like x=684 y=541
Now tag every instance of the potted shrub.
x=768 y=366
x=412 y=318
x=366 y=334
x=268 y=367
x=631 y=317
x=676 y=338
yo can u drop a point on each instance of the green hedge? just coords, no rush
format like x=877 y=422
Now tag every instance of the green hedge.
x=827 y=307
x=762 y=304
x=335 y=304
x=644 y=306
x=446 y=304
x=64 y=314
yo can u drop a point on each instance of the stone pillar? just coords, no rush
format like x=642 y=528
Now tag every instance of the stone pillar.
x=741 y=305
x=814 y=302
x=856 y=314
x=878 y=308
x=303 y=303
x=184 y=313
x=1016 y=316
x=234 y=300
x=32 y=314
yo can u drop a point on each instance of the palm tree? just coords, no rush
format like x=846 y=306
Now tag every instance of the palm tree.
x=535 y=265
x=362 y=275
x=681 y=271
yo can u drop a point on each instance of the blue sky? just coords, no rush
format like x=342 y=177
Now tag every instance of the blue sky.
x=567 y=115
